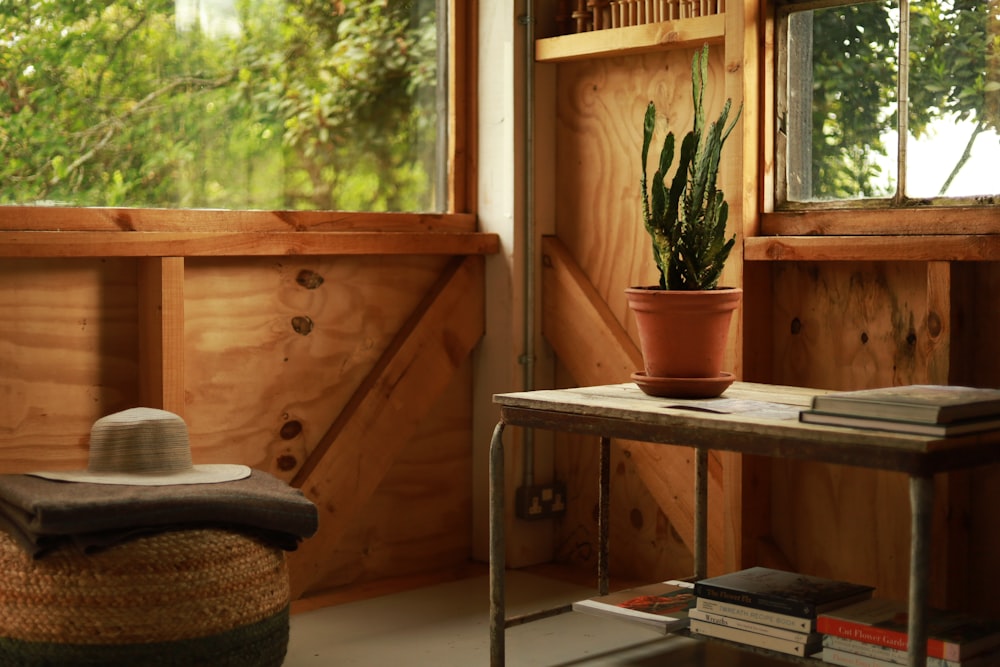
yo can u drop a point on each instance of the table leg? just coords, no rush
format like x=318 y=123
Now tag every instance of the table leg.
x=921 y=505
x=700 y=513
x=603 y=505
x=498 y=612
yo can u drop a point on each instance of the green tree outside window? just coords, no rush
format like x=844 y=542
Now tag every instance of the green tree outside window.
x=232 y=104
x=840 y=114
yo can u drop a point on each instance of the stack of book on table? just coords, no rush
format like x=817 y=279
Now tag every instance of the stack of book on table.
x=920 y=409
x=662 y=607
x=874 y=634
x=769 y=609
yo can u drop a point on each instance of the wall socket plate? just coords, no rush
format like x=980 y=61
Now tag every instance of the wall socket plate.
x=540 y=501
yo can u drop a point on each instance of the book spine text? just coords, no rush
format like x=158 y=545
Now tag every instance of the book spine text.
x=752 y=638
x=881 y=636
x=758 y=601
x=756 y=615
x=750 y=626
x=882 y=654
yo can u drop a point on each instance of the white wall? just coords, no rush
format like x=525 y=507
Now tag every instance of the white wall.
x=501 y=192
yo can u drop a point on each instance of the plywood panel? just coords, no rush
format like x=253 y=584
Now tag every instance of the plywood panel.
x=271 y=362
x=977 y=330
x=839 y=326
x=68 y=355
x=600 y=112
x=600 y=108
x=274 y=348
x=850 y=325
x=420 y=517
x=643 y=544
x=352 y=459
x=594 y=349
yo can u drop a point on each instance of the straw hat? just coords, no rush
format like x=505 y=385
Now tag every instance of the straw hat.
x=145 y=447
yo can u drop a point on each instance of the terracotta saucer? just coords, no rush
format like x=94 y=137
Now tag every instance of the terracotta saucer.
x=683 y=387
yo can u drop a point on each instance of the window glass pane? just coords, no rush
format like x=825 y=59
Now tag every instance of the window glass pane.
x=953 y=147
x=236 y=104
x=842 y=102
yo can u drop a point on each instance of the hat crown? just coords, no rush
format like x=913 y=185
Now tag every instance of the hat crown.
x=143 y=441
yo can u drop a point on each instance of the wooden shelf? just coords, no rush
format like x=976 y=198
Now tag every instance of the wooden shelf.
x=926 y=248
x=243 y=244
x=679 y=34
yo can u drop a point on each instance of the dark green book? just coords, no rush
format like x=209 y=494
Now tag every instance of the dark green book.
x=783 y=592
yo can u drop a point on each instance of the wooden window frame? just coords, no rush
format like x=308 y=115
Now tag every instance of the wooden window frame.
x=188 y=232
x=875 y=232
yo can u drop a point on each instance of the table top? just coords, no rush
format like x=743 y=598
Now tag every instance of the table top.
x=749 y=418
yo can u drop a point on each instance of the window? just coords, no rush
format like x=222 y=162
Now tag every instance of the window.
x=888 y=103
x=229 y=104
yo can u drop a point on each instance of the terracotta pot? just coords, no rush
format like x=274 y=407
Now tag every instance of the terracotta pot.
x=683 y=334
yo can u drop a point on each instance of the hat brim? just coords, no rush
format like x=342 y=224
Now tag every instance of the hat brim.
x=211 y=473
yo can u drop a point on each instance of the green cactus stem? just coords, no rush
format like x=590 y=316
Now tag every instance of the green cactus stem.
x=686 y=221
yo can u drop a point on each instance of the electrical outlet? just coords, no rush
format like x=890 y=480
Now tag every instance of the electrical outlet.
x=542 y=501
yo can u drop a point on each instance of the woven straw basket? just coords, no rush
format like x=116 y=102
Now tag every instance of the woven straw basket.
x=190 y=597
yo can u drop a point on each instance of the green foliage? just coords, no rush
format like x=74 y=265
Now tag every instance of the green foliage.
x=306 y=105
x=687 y=221
x=954 y=73
x=854 y=79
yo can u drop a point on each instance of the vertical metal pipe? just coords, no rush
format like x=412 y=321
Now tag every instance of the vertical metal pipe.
x=498 y=563
x=603 y=504
x=700 y=513
x=528 y=241
x=921 y=506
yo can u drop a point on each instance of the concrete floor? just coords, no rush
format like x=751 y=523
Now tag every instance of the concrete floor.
x=447 y=625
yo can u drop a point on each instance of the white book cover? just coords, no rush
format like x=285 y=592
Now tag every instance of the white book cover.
x=663 y=606
x=759 y=628
x=761 y=616
x=699 y=627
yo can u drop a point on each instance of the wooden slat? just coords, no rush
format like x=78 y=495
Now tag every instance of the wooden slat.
x=602 y=347
x=631 y=40
x=161 y=333
x=950 y=560
x=346 y=467
x=596 y=350
x=193 y=244
x=42 y=218
x=744 y=507
x=68 y=351
x=875 y=248
x=463 y=96
x=883 y=221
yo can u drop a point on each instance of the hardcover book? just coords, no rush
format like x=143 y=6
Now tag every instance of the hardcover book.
x=962 y=427
x=663 y=606
x=783 y=592
x=950 y=635
x=754 y=639
x=929 y=404
x=759 y=616
x=853 y=653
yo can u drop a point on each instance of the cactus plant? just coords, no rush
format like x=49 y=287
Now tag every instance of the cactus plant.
x=687 y=221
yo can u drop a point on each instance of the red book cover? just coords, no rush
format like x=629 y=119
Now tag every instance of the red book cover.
x=950 y=635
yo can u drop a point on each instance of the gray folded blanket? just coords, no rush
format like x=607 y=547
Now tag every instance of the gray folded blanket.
x=40 y=513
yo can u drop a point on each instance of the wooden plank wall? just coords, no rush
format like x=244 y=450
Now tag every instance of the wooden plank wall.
x=347 y=375
x=841 y=325
x=600 y=247
x=862 y=324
